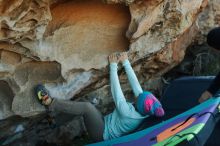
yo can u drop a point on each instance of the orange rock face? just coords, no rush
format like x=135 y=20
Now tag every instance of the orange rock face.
x=91 y=21
x=65 y=44
x=85 y=32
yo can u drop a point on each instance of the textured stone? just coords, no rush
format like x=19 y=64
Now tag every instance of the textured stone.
x=200 y=60
x=23 y=19
x=67 y=90
x=27 y=76
x=69 y=38
x=149 y=72
x=37 y=130
x=70 y=42
x=65 y=44
x=10 y=58
x=177 y=17
x=6 y=98
x=206 y=20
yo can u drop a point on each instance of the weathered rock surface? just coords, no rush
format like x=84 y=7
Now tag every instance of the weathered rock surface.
x=200 y=59
x=71 y=54
x=64 y=45
x=38 y=131
x=206 y=20
x=23 y=19
x=6 y=98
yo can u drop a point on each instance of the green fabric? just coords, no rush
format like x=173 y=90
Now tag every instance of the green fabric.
x=174 y=140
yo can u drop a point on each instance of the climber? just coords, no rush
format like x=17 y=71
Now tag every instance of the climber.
x=124 y=119
x=213 y=40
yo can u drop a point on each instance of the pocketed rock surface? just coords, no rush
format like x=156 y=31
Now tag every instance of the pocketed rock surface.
x=64 y=44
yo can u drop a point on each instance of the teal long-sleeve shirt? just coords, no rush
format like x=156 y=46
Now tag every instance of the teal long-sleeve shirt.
x=124 y=119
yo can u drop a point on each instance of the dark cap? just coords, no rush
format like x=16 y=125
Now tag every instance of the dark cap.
x=213 y=38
